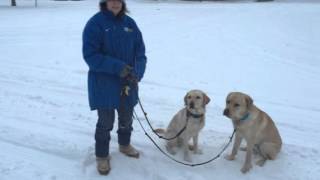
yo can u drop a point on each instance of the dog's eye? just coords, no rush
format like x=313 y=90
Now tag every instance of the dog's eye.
x=228 y=102
x=236 y=105
x=198 y=97
x=189 y=97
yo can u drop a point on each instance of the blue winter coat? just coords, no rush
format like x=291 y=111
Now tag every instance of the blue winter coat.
x=110 y=43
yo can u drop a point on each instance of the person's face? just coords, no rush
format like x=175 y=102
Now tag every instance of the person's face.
x=114 y=6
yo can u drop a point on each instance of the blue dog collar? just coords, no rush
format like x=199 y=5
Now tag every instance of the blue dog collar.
x=245 y=117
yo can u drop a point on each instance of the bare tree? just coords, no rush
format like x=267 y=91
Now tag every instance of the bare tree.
x=13 y=3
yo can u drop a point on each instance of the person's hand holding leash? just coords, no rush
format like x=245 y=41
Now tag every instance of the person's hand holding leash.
x=130 y=79
x=125 y=71
x=128 y=75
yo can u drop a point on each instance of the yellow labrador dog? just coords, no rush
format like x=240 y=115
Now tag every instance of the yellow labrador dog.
x=253 y=125
x=192 y=117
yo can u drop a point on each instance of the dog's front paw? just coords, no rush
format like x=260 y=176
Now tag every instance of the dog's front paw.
x=261 y=162
x=170 y=150
x=243 y=148
x=191 y=147
x=198 y=151
x=229 y=157
x=246 y=168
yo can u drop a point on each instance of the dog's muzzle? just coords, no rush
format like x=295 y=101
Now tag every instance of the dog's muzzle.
x=191 y=105
x=226 y=112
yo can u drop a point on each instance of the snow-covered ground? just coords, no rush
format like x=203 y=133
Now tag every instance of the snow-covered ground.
x=268 y=50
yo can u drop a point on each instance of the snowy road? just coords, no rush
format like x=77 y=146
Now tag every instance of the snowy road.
x=268 y=50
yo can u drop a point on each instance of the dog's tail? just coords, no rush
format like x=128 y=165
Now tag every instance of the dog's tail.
x=160 y=131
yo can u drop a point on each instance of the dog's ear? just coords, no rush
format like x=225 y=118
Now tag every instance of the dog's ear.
x=185 y=99
x=249 y=101
x=206 y=99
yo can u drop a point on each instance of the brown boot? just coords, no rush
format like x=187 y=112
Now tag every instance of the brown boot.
x=103 y=165
x=129 y=151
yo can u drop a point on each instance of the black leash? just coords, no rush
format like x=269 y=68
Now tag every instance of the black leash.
x=126 y=90
x=180 y=162
x=154 y=131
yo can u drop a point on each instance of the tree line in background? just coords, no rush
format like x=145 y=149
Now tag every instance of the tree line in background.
x=14 y=3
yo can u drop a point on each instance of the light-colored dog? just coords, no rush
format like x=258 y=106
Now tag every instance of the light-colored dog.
x=192 y=116
x=255 y=126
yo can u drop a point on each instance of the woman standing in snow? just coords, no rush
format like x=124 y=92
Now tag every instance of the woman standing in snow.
x=114 y=50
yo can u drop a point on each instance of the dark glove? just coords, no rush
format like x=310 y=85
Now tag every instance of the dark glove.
x=129 y=82
x=125 y=71
x=132 y=78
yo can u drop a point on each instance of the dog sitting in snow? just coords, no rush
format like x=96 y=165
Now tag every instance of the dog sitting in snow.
x=192 y=117
x=253 y=125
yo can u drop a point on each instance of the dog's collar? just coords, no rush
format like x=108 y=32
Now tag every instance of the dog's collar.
x=245 y=117
x=194 y=115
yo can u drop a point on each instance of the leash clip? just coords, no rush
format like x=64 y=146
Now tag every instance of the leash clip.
x=125 y=90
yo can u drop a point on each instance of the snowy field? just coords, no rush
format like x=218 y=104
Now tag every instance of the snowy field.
x=268 y=50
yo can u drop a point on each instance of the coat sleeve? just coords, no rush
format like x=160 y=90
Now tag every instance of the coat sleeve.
x=92 y=51
x=141 y=59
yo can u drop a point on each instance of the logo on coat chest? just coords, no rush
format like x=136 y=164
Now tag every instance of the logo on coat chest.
x=127 y=29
